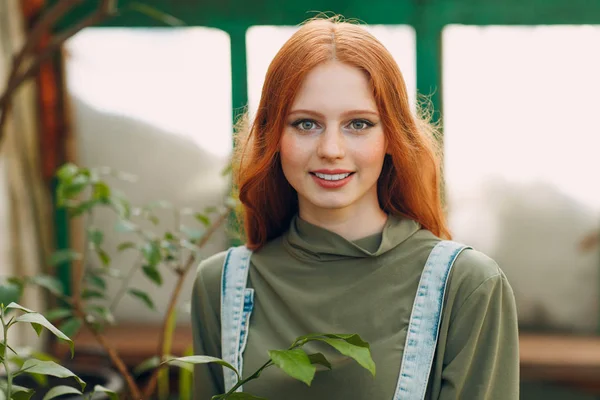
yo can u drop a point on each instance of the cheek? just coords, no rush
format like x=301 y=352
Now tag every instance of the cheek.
x=372 y=154
x=291 y=150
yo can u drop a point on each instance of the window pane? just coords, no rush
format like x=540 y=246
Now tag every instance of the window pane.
x=521 y=145
x=155 y=103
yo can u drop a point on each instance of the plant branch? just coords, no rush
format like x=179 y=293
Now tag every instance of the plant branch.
x=114 y=357
x=4 y=357
x=125 y=284
x=182 y=273
x=77 y=275
x=255 y=375
x=105 y=9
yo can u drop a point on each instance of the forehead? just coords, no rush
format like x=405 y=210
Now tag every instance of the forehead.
x=335 y=87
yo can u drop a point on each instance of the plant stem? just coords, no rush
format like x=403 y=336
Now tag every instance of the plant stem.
x=251 y=377
x=4 y=357
x=182 y=273
x=125 y=284
x=80 y=266
x=134 y=390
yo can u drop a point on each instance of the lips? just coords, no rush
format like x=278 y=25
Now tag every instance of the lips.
x=332 y=179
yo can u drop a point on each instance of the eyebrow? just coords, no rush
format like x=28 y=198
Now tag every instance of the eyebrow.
x=350 y=112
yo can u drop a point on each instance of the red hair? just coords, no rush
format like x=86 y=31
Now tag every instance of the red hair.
x=409 y=184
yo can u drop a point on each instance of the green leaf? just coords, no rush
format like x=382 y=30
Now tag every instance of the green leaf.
x=9 y=293
x=360 y=354
x=59 y=391
x=82 y=207
x=200 y=360
x=147 y=365
x=151 y=252
x=96 y=281
x=104 y=257
x=153 y=274
x=154 y=219
x=101 y=192
x=71 y=326
x=243 y=396
x=91 y=294
x=67 y=171
x=350 y=345
x=71 y=188
x=63 y=256
x=156 y=14
x=203 y=219
x=21 y=393
x=16 y=306
x=101 y=389
x=211 y=209
x=319 y=358
x=50 y=368
x=53 y=284
x=143 y=296
x=58 y=313
x=36 y=319
x=295 y=363
x=351 y=338
x=95 y=236
x=126 y=245
x=102 y=311
x=17 y=280
x=125 y=226
x=18 y=392
x=121 y=205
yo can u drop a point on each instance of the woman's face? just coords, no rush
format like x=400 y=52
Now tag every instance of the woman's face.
x=333 y=145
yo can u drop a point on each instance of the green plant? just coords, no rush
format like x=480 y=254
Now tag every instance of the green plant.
x=32 y=365
x=294 y=361
x=175 y=249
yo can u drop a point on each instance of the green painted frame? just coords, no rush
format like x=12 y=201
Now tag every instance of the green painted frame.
x=428 y=18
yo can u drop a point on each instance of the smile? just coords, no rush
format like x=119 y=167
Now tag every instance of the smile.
x=332 y=181
x=334 y=177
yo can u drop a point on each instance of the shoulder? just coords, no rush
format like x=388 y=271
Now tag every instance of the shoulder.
x=474 y=273
x=472 y=268
x=207 y=282
x=209 y=270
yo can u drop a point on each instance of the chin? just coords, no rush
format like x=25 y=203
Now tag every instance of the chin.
x=330 y=204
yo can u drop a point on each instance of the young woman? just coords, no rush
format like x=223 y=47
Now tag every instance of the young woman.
x=345 y=233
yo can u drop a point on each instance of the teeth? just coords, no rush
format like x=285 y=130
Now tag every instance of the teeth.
x=335 y=177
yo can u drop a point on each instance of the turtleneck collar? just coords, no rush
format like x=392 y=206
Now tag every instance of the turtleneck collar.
x=310 y=242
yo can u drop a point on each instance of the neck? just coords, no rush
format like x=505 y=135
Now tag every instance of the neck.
x=347 y=223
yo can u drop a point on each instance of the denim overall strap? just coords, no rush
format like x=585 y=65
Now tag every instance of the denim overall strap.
x=423 y=328
x=237 y=302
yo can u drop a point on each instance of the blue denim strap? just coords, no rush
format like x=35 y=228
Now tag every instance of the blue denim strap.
x=236 y=306
x=423 y=328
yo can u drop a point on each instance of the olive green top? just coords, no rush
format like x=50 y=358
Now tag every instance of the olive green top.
x=313 y=280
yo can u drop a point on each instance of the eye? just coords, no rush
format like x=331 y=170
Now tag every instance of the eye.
x=360 y=124
x=305 y=125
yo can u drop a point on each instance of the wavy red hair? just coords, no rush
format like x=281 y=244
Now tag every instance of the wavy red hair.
x=410 y=181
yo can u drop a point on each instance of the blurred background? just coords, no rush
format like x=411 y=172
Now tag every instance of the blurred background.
x=514 y=82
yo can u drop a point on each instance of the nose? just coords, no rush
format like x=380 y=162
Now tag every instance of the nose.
x=331 y=145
